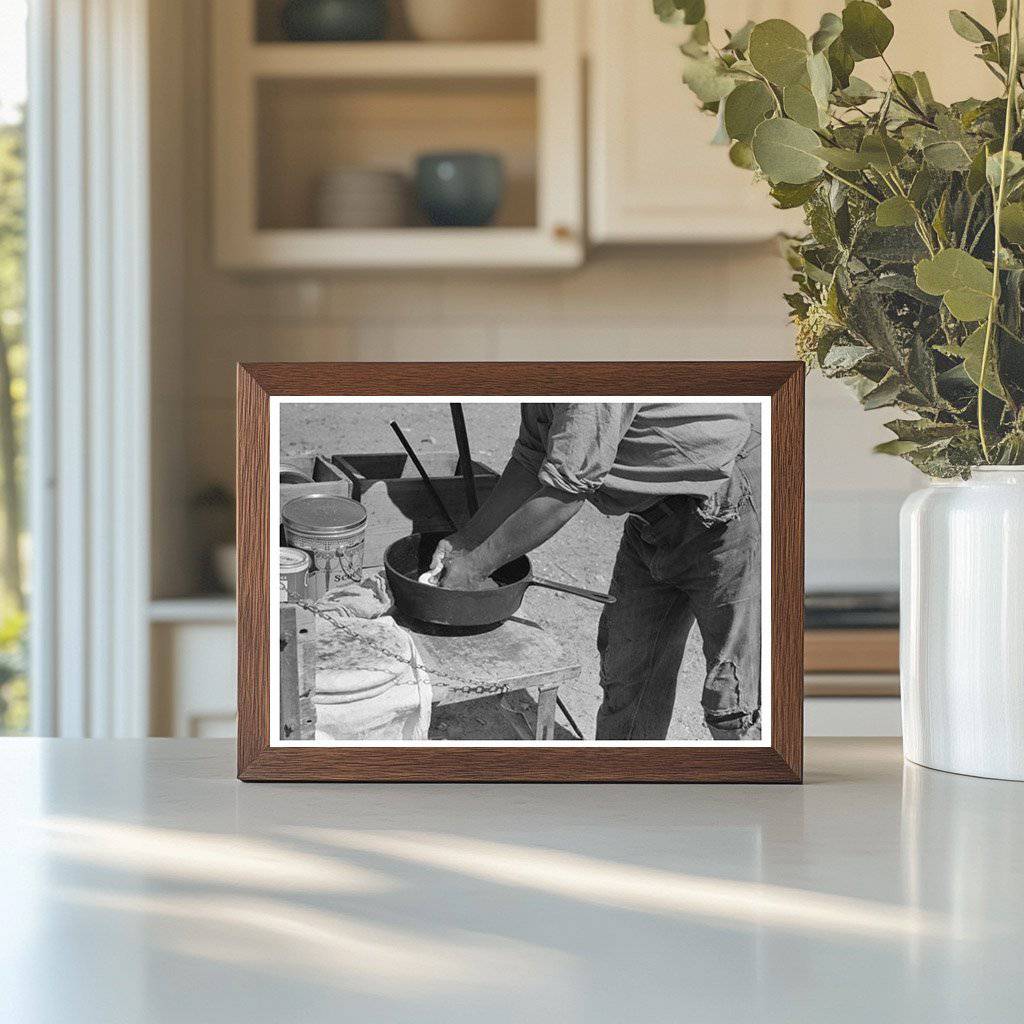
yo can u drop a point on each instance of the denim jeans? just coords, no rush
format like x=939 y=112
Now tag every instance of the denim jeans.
x=700 y=562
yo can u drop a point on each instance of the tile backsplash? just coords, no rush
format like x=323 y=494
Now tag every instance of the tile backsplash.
x=709 y=303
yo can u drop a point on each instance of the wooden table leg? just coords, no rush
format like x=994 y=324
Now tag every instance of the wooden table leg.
x=297 y=674
x=547 y=698
x=288 y=676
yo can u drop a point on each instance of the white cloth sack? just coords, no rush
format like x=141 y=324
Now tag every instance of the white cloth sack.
x=370 y=681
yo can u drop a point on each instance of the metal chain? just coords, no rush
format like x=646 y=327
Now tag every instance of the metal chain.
x=459 y=684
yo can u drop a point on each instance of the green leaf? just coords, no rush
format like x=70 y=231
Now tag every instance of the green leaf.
x=701 y=34
x=745 y=108
x=801 y=106
x=666 y=10
x=923 y=431
x=889 y=245
x=999 y=9
x=741 y=155
x=921 y=370
x=689 y=12
x=868 y=318
x=885 y=394
x=788 y=196
x=997 y=53
x=866 y=29
x=971 y=351
x=707 y=78
x=922 y=185
x=1012 y=224
x=963 y=281
x=822 y=222
x=739 y=41
x=895 y=212
x=993 y=167
x=693 y=48
x=829 y=30
x=779 y=51
x=898 y=283
x=924 y=88
x=819 y=75
x=939 y=220
x=969 y=28
x=947 y=156
x=693 y=10
x=844 y=159
x=840 y=60
x=883 y=152
x=976 y=173
x=895 y=447
x=905 y=84
x=841 y=359
x=787 y=151
x=858 y=91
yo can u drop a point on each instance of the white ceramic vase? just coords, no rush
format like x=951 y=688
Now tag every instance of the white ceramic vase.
x=962 y=624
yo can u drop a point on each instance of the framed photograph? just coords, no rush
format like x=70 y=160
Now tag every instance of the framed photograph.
x=562 y=572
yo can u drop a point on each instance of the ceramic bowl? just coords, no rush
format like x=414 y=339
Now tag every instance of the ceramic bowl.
x=332 y=21
x=358 y=197
x=470 y=20
x=459 y=189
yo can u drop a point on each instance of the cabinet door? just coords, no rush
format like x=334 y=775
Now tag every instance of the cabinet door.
x=654 y=176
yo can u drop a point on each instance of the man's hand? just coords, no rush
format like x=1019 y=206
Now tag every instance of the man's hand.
x=463 y=572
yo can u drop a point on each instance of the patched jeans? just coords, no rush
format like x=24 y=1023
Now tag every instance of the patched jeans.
x=700 y=562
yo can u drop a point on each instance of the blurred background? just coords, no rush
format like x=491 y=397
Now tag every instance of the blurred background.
x=362 y=180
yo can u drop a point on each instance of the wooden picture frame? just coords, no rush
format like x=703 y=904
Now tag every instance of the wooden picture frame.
x=778 y=760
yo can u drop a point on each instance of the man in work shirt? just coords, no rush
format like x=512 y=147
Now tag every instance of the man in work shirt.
x=688 y=475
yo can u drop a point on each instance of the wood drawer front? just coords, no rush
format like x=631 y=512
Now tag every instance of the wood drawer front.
x=852 y=650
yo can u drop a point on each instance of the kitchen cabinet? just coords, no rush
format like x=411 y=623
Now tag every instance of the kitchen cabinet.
x=287 y=114
x=193 y=684
x=654 y=177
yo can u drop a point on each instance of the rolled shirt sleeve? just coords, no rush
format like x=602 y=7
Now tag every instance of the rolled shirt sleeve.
x=572 y=447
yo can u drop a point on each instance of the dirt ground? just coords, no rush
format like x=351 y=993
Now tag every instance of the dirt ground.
x=582 y=553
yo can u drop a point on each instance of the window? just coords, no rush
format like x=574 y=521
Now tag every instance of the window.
x=14 y=693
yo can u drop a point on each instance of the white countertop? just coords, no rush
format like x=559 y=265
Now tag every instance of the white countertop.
x=140 y=882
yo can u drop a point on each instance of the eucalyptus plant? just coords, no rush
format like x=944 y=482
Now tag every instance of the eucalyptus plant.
x=910 y=277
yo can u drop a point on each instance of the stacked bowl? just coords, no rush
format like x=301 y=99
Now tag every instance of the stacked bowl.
x=362 y=197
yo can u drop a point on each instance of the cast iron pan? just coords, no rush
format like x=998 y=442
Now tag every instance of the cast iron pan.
x=407 y=558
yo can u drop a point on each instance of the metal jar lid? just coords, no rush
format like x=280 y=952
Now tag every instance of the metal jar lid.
x=293 y=560
x=323 y=515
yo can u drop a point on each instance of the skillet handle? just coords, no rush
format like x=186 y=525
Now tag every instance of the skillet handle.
x=590 y=595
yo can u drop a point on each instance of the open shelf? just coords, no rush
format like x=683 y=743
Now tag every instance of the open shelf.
x=308 y=127
x=519 y=24
x=287 y=114
x=392 y=60
x=406 y=248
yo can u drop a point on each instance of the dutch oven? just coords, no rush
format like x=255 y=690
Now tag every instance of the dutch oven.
x=406 y=559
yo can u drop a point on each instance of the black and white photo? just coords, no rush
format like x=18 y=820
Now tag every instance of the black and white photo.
x=506 y=571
